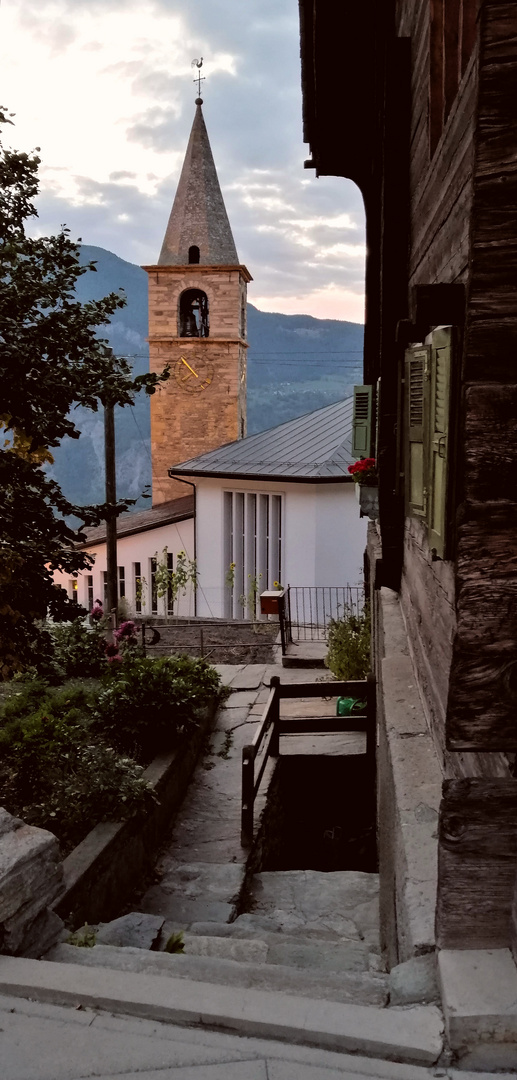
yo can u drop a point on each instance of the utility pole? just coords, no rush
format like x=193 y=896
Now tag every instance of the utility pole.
x=111 y=522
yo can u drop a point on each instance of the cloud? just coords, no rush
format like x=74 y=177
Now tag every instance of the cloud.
x=105 y=87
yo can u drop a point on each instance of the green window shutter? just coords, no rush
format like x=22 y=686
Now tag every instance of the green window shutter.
x=416 y=386
x=362 y=421
x=441 y=352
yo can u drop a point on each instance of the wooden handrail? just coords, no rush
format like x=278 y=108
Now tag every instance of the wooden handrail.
x=271 y=725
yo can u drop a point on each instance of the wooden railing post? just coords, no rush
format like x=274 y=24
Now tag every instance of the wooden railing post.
x=248 y=795
x=274 y=746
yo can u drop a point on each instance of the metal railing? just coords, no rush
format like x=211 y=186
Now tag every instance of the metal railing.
x=272 y=727
x=309 y=608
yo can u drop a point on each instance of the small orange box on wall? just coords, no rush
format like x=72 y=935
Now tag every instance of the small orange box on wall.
x=269 y=602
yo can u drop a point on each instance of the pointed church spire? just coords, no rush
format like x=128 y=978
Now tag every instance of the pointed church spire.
x=198 y=218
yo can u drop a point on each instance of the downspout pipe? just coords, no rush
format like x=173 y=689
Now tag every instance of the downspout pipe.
x=173 y=476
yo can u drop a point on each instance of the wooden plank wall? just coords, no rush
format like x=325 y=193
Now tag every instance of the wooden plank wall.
x=477 y=859
x=464 y=199
x=483 y=693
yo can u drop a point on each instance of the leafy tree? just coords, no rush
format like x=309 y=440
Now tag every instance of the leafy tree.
x=51 y=359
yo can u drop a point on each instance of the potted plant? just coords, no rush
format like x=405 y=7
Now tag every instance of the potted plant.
x=364 y=473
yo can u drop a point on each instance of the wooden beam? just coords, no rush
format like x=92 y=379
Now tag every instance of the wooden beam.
x=477 y=862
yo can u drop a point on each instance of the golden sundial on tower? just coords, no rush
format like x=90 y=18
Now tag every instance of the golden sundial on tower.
x=194 y=374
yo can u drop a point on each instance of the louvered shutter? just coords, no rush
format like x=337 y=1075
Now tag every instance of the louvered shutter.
x=441 y=350
x=362 y=421
x=416 y=384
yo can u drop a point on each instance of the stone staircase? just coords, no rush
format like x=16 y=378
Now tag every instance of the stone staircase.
x=307 y=933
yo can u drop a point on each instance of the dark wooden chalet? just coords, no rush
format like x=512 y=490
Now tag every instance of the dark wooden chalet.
x=416 y=101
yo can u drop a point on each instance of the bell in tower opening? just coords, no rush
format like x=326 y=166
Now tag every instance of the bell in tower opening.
x=193 y=314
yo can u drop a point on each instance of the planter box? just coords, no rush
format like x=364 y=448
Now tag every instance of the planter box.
x=368 y=499
x=105 y=868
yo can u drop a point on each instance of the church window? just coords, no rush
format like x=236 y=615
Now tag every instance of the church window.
x=193 y=314
x=252 y=549
x=138 y=583
x=193 y=254
x=89 y=589
x=153 y=566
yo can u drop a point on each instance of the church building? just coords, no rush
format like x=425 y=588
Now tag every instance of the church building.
x=275 y=506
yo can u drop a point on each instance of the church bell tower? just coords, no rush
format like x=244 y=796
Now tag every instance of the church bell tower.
x=197 y=323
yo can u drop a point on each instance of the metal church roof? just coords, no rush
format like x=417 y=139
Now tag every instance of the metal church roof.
x=314 y=448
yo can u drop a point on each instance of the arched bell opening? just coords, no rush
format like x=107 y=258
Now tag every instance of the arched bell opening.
x=193 y=254
x=193 y=314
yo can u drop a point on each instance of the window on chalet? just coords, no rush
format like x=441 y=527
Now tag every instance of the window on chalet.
x=452 y=38
x=427 y=385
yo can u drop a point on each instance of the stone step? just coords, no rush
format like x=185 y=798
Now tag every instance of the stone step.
x=316 y=955
x=363 y=988
x=345 y=901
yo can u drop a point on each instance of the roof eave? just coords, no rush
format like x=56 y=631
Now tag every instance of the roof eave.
x=174 y=519
x=277 y=477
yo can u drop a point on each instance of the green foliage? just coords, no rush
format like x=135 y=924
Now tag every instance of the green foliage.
x=100 y=785
x=174 y=582
x=229 y=577
x=249 y=599
x=51 y=359
x=54 y=773
x=349 y=645
x=150 y=704
x=83 y=938
x=64 y=751
x=78 y=650
x=175 y=943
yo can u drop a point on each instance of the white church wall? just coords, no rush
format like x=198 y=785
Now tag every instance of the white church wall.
x=137 y=549
x=340 y=536
x=322 y=539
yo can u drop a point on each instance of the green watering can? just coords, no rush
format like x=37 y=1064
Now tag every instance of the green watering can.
x=349 y=706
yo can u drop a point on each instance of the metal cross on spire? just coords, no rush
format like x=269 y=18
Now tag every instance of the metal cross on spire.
x=199 y=77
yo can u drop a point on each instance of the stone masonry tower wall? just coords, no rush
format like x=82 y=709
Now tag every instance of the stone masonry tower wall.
x=197 y=323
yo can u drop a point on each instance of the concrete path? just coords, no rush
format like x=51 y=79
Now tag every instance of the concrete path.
x=39 y=1041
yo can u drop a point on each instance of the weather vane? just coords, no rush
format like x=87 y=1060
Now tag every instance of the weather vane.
x=199 y=77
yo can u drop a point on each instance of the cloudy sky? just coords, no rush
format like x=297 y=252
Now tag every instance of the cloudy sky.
x=105 y=88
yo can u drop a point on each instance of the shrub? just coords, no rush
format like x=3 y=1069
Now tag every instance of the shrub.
x=53 y=774
x=349 y=645
x=78 y=650
x=98 y=785
x=150 y=704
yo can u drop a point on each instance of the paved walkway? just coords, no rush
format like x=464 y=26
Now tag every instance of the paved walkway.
x=49 y=1042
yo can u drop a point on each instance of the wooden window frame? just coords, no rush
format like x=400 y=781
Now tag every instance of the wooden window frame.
x=427 y=424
